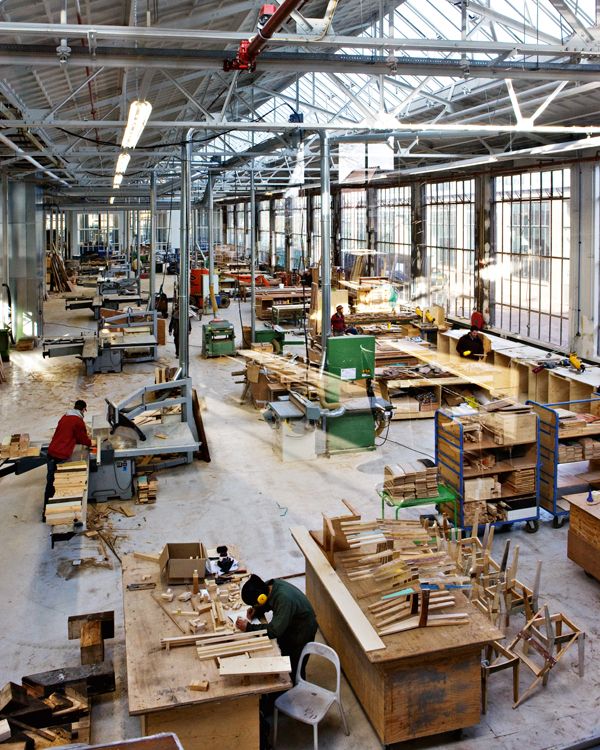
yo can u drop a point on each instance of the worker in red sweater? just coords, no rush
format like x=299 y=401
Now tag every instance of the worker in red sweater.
x=70 y=431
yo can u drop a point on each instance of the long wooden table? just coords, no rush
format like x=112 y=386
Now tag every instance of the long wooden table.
x=424 y=682
x=583 y=542
x=226 y=716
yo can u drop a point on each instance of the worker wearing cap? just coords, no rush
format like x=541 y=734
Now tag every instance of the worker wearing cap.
x=70 y=431
x=470 y=346
x=294 y=623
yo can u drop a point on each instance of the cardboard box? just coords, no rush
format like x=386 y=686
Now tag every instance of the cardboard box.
x=179 y=560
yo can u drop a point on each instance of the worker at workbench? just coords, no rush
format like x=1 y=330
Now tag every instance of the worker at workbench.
x=338 y=323
x=470 y=346
x=294 y=623
x=70 y=431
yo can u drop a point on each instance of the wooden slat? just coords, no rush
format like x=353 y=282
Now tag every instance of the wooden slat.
x=244 y=666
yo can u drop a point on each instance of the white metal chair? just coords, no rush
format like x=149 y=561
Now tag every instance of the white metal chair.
x=307 y=701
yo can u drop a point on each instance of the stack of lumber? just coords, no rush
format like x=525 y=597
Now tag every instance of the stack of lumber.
x=67 y=506
x=482 y=488
x=481 y=512
x=59 y=278
x=409 y=481
x=571 y=451
x=591 y=448
x=215 y=645
x=511 y=427
x=147 y=487
x=521 y=481
x=17 y=446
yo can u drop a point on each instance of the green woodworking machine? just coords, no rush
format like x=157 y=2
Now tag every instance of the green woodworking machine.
x=218 y=338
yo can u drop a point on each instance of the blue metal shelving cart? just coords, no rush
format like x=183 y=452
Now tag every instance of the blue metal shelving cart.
x=551 y=438
x=450 y=450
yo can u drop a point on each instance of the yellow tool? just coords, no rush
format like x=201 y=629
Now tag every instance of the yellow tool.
x=425 y=315
x=576 y=363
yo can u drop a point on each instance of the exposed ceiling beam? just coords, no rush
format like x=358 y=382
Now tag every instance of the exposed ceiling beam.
x=547 y=44
x=283 y=62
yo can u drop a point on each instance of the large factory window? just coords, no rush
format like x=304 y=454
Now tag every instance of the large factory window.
x=530 y=273
x=450 y=233
x=353 y=223
x=394 y=227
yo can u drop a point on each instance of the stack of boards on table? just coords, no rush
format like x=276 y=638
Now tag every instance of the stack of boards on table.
x=17 y=446
x=70 y=489
x=410 y=481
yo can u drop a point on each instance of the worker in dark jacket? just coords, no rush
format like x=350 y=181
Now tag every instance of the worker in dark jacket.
x=70 y=431
x=174 y=327
x=470 y=346
x=294 y=623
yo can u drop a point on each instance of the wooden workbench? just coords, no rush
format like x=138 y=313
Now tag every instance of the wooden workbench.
x=583 y=545
x=424 y=682
x=226 y=716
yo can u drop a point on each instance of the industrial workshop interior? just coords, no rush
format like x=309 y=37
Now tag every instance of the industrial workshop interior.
x=299 y=374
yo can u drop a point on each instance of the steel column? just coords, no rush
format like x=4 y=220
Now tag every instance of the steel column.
x=152 y=278
x=211 y=240
x=252 y=256
x=325 y=243
x=184 y=256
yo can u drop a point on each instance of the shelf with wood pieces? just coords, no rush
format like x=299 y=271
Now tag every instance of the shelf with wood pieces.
x=564 y=424
x=490 y=459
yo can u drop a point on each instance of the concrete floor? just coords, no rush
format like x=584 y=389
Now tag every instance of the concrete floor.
x=246 y=497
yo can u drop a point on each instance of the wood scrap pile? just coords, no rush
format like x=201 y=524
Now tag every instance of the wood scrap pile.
x=147 y=488
x=59 y=279
x=409 y=569
x=17 y=446
x=68 y=504
x=53 y=708
x=28 y=722
x=408 y=481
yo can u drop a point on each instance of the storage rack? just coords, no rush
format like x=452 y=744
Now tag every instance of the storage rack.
x=450 y=450
x=551 y=438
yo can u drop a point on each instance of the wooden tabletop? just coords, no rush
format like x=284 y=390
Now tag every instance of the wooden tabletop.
x=421 y=642
x=157 y=679
x=580 y=500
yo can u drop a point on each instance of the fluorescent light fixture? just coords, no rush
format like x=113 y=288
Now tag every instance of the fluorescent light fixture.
x=117 y=180
x=122 y=162
x=139 y=112
x=111 y=200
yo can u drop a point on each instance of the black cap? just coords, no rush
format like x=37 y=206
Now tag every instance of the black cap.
x=252 y=589
x=80 y=405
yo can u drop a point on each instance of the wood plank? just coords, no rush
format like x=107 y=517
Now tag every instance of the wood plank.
x=258 y=665
x=361 y=627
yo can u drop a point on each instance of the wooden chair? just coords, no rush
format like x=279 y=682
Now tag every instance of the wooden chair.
x=497 y=658
x=550 y=637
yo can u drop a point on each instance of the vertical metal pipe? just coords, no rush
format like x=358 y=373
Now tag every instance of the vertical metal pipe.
x=184 y=255
x=211 y=242
x=4 y=312
x=152 y=284
x=252 y=255
x=325 y=242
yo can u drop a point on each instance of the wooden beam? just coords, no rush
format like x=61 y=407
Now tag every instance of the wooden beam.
x=242 y=666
